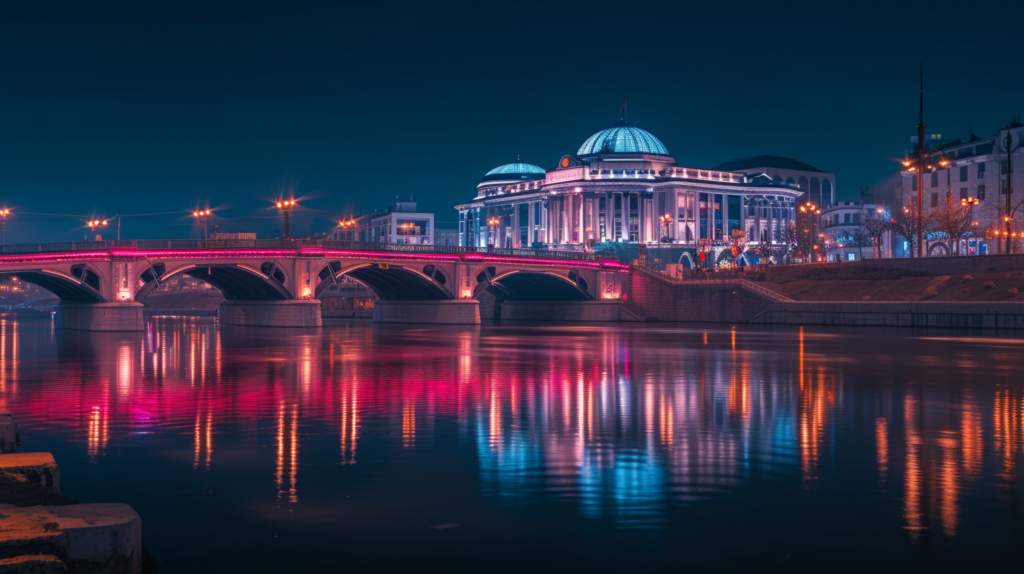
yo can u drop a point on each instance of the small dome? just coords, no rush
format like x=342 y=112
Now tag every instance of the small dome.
x=516 y=169
x=623 y=137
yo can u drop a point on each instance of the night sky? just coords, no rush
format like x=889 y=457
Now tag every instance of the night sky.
x=163 y=107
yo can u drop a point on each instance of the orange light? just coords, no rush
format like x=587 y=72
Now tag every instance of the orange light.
x=906 y=163
x=911 y=168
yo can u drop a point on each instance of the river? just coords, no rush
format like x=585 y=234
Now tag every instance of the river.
x=646 y=447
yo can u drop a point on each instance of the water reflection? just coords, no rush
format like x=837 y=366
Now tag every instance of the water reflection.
x=620 y=425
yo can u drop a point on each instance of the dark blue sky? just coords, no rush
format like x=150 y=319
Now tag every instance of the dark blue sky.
x=151 y=108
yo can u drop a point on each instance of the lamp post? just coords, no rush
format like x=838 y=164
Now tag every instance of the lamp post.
x=345 y=225
x=202 y=215
x=3 y=222
x=93 y=224
x=919 y=165
x=666 y=221
x=286 y=207
x=1009 y=186
x=969 y=203
x=492 y=222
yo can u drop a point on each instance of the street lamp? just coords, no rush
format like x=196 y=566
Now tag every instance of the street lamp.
x=347 y=224
x=202 y=216
x=493 y=222
x=286 y=207
x=93 y=224
x=665 y=220
x=3 y=222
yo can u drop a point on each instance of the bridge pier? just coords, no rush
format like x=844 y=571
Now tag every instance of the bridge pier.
x=120 y=316
x=446 y=312
x=288 y=313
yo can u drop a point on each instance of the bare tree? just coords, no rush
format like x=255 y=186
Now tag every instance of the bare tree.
x=788 y=240
x=860 y=236
x=953 y=219
x=875 y=226
x=904 y=224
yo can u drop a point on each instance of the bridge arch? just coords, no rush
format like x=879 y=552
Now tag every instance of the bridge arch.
x=81 y=289
x=530 y=285
x=390 y=282
x=236 y=281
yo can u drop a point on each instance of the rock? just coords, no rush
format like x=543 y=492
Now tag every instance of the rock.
x=88 y=537
x=989 y=285
x=867 y=297
x=1013 y=291
x=8 y=432
x=931 y=292
x=967 y=278
x=38 y=467
x=33 y=564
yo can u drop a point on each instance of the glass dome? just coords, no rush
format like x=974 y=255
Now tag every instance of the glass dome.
x=516 y=169
x=623 y=137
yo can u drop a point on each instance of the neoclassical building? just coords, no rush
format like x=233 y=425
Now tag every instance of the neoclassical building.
x=623 y=186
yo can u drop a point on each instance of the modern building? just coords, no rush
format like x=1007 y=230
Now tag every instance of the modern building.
x=845 y=238
x=401 y=223
x=978 y=169
x=818 y=187
x=622 y=186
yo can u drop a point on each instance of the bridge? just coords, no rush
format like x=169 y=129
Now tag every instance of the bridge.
x=276 y=283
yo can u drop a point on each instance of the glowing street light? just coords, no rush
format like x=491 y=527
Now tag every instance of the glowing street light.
x=493 y=222
x=665 y=220
x=202 y=216
x=3 y=222
x=286 y=206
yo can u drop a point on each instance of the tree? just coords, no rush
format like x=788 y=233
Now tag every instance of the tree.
x=860 y=236
x=904 y=224
x=954 y=220
x=875 y=226
x=788 y=241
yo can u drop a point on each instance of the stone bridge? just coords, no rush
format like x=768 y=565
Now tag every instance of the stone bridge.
x=276 y=283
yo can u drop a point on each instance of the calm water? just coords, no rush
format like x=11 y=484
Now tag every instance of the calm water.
x=543 y=448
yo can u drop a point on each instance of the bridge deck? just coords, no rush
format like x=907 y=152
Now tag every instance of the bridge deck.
x=204 y=248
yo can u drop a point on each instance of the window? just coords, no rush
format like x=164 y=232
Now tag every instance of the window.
x=981 y=170
x=913 y=182
x=846 y=218
x=963 y=173
x=935 y=200
x=981 y=191
x=935 y=179
x=856 y=218
x=1002 y=167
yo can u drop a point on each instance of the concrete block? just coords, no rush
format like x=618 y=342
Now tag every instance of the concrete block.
x=38 y=467
x=8 y=432
x=88 y=537
x=33 y=564
x=124 y=316
x=291 y=313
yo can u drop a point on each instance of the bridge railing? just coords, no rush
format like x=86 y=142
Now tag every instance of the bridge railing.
x=291 y=244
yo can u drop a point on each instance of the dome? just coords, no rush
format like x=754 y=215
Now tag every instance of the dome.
x=516 y=169
x=623 y=137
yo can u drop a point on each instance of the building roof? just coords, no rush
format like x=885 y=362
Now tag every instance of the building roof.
x=622 y=137
x=516 y=168
x=745 y=163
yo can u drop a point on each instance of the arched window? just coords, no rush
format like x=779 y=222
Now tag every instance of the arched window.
x=816 y=191
x=826 y=193
x=789 y=181
x=778 y=179
x=802 y=184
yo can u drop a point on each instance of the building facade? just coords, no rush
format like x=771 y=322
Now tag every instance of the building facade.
x=977 y=168
x=401 y=223
x=816 y=186
x=845 y=238
x=622 y=186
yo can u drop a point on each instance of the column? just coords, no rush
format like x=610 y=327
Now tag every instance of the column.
x=624 y=222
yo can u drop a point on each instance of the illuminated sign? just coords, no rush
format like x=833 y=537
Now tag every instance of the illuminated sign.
x=564 y=175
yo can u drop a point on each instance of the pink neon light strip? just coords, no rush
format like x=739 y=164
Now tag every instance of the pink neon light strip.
x=377 y=255
x=59 y=256
x=202 y=253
